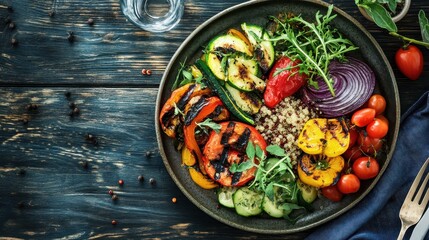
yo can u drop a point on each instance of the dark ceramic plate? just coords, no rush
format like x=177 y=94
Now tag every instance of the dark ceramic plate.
x=256 y=12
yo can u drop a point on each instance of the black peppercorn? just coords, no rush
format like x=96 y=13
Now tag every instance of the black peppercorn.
x=25 y=121
x=67 y=94
x=115 y=197
x=75 y=111
x=71 y=37
x=152 y=181
x=91 y=138
x=21 y=205
x=32 y=107
x=14 y=42
x=148 y=154
x=72 y=105
x=90 y=21
x=21 y=172
x=12 y=25
x=85 y=164
x=140 y=178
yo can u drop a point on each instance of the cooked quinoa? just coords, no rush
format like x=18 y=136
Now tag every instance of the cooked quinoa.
x=282 y=125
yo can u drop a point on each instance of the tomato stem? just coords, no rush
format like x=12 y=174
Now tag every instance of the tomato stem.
x=410 y=40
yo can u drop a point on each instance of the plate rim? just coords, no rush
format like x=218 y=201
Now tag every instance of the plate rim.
x=258 y=230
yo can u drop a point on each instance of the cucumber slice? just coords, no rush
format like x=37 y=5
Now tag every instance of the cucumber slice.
x=247 y=202
x=272 y=208
x=227 y=44
x=308 y=193
x=242 y=74
x=263 y=50
x=224 y=196
x=246 y=101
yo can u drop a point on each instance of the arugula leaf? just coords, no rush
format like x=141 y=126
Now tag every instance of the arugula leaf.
x=424 y=26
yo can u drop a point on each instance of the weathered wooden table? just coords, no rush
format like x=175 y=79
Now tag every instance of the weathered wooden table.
x=57 y=166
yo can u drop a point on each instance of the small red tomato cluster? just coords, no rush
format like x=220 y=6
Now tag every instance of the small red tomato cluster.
x=369 y=127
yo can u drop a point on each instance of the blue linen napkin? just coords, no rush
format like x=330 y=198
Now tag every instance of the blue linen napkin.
x=377 y=215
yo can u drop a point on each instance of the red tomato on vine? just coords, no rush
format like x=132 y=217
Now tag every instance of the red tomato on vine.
x=409 y=60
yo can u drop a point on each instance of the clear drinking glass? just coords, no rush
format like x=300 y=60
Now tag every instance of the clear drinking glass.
x=154 y=15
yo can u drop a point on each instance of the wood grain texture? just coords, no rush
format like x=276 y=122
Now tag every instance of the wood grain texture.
x=54 y=181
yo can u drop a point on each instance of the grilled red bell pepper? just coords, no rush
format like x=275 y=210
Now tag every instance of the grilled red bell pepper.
x=284 y=80
x=201 y=110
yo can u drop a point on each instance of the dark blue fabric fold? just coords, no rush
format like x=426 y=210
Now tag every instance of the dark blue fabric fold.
x=377 y=215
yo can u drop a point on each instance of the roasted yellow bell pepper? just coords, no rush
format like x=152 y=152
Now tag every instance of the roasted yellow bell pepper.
x=201 y=180
x=329 y=137
x=319 y=171
x=188 y=158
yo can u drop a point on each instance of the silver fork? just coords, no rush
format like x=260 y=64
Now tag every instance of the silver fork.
x=413 y=207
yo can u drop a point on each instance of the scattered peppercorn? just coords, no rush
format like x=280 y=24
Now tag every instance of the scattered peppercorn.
x=21 y=205
x=115 y=197
x=71 y=37
x=25 y=121
x=85 y=164
x=74 y=112
x=114 y=222
x=91 y=138
x=12 y=25
x=111 y=192
x=14 y=42
x=72 y=105
x=121 y=182
x=149 y=72
x=90 y=21
x=67 y=94
x=174 y=200
x=144 y=71
x=140 y=178
x=51 y=13
x=152 y=181
x=148 y=154
x=32 y=107
x=21 y=172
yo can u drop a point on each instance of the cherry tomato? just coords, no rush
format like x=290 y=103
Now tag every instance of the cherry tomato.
x=348 y=183
x=409 y=60
x=363 y=117
x=377 y=128
x=378 y=103
x=383 y=118
x=352 y=154
x=366 y=168
x=353 y=137
x=332 y=193
x=368 y=144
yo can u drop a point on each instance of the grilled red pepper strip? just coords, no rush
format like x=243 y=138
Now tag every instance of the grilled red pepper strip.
x=284 y=80
x=204 y=108
x=228 y=146
x=178 y=99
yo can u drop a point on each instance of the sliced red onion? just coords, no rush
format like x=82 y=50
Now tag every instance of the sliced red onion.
x=353 y=82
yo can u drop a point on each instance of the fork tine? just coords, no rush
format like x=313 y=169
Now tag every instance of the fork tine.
x=426 y=198
x=422 y=188
x=417 y=181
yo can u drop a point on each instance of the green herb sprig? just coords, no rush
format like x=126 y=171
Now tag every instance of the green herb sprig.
x=314 y=44
x=380 y=11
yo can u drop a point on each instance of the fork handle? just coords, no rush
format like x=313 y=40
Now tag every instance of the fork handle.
x=403 y=231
